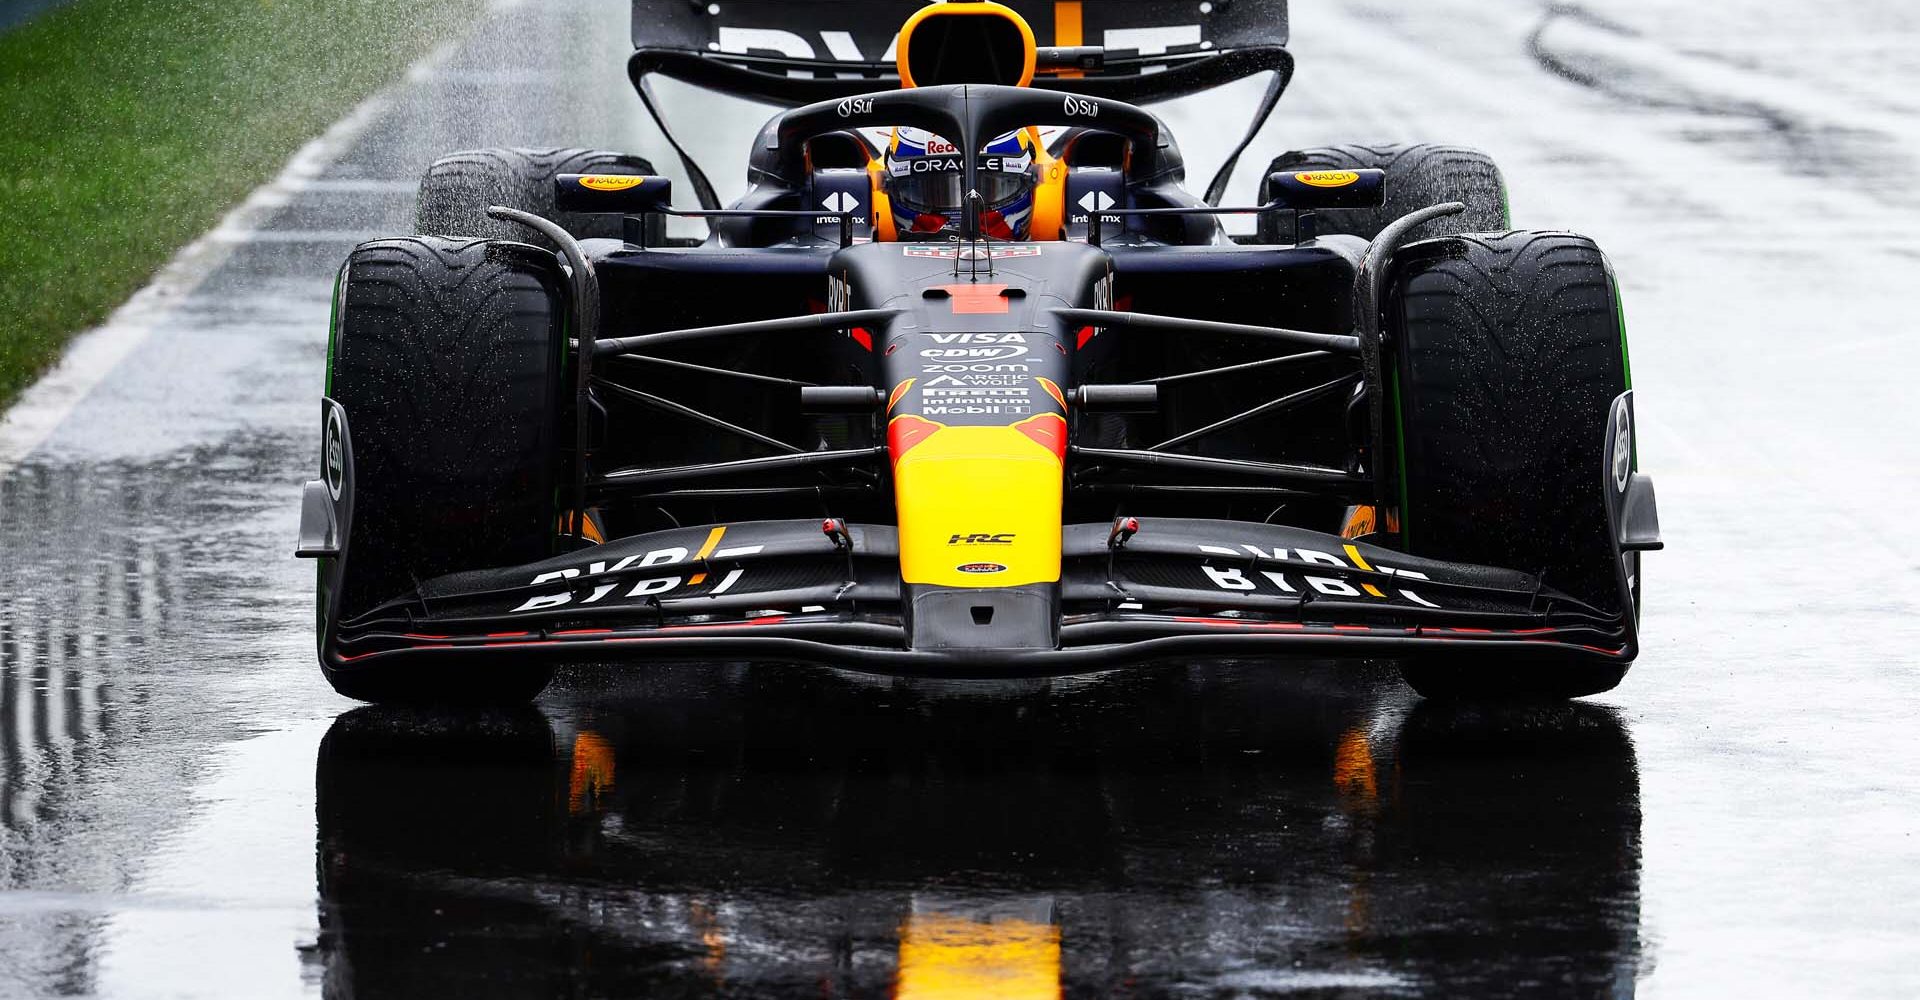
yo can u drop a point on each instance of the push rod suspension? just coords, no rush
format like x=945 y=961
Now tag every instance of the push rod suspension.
x=646 y=477
x=1338 y=343
x=1308 y=477
x=680 y=409
x=1287 y=402
x=789 y=324
x=688 y=366
x=1245 y=366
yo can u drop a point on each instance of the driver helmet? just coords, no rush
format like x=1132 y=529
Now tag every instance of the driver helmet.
x=922 y=183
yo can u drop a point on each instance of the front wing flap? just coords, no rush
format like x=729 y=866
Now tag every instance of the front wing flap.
x=787 y=590
x=830 y=593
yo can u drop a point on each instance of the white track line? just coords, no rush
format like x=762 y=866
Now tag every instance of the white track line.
x=94 y=354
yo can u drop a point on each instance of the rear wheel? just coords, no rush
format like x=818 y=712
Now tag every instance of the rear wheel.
x=458 y=188
x=447 y=356
x=1418 y=175
x=1510 y=351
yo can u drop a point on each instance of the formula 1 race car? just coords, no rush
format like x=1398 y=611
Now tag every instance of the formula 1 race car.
x=968 y=385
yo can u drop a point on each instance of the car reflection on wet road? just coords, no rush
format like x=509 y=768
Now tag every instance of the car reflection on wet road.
x=1219 y=831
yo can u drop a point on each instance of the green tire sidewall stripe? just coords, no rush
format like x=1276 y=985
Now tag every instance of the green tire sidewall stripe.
x=1626 y=362
x=333 y=321
x=1620 y=320
x=322 y=594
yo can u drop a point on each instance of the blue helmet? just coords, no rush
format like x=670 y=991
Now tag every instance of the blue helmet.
x=923 y=184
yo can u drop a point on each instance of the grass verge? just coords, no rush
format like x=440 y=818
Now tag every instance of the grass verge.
x=130 y=127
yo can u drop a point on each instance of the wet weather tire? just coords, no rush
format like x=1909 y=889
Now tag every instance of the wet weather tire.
x=448 y=358
x=1418 y=175
x=1509 y=351
x=458 y=188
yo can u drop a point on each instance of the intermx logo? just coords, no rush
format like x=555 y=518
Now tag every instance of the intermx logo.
x=843 y=202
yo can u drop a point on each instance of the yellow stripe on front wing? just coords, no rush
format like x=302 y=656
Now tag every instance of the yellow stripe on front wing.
x=706 y=549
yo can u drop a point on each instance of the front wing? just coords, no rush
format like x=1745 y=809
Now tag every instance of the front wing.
x=1151 y=589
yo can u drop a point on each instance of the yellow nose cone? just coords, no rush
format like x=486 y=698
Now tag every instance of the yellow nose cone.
x=980 y=506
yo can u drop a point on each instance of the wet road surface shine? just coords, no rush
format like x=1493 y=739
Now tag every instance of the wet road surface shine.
x=1222 y=831
x=1736 y=819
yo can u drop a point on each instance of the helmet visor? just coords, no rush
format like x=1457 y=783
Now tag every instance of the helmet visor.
x=940 y=193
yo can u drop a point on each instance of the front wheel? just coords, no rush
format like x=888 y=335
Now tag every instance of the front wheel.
x=1509 y=350
x=447 y=355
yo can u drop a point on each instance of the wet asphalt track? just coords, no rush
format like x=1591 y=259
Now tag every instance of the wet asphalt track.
x=1737 y=819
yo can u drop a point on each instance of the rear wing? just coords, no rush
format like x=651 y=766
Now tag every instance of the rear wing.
x=791 y=53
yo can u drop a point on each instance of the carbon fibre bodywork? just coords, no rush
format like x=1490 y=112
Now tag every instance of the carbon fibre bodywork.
x=799 y=590
x=1126 y=439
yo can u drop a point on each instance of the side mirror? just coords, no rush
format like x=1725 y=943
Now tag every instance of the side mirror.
x=1311 y=189
x=612 y=194
x=1070 y=58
